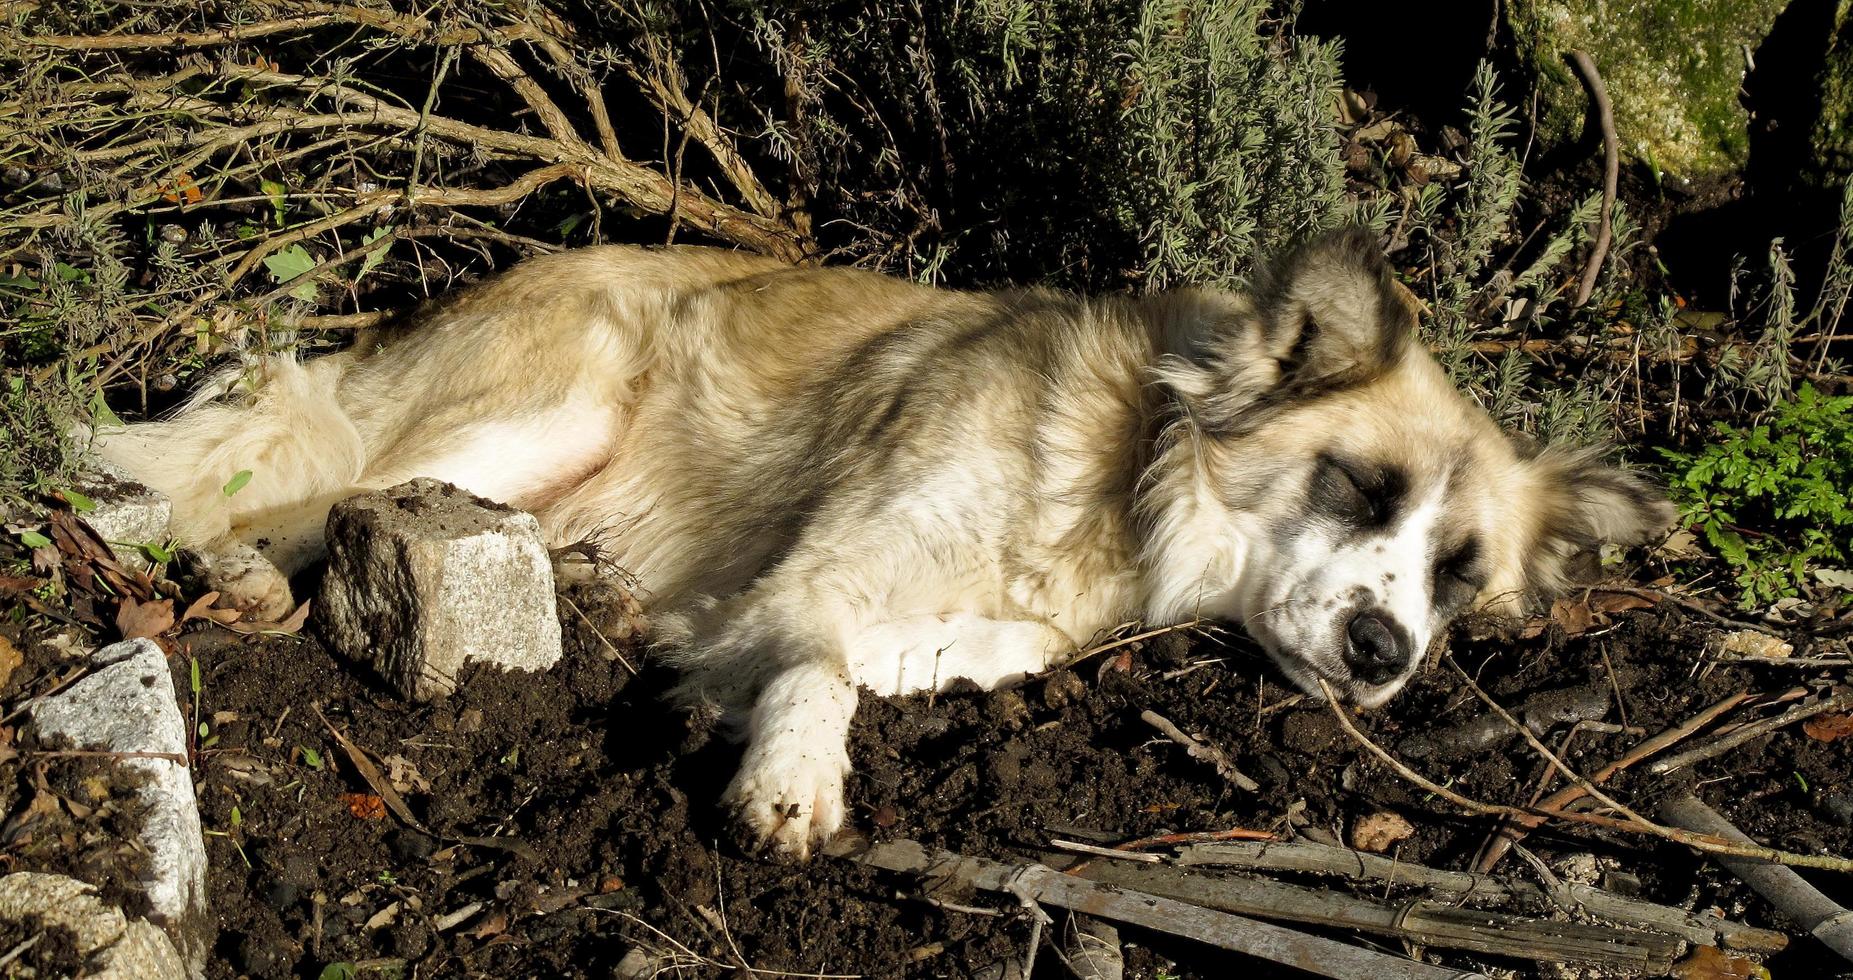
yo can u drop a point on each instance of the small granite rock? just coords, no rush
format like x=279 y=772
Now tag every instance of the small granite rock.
x=127 y=514
x=424 y=578
x=128 y=705
x=115 y=948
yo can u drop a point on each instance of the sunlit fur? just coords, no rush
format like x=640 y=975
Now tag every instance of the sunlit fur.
x=827 y=479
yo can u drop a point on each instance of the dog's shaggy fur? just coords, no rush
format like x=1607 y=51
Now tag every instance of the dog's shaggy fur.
x=826 y=479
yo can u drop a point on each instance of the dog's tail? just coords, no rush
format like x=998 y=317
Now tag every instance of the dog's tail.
x=260 y=437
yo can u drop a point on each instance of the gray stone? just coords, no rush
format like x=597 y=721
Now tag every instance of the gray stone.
x=128 y=705
x=122 y=949
x=424 y=578
x=1674 y=70
x=127 y=513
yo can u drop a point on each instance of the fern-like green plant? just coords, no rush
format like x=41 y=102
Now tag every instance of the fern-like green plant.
x=1776 y=498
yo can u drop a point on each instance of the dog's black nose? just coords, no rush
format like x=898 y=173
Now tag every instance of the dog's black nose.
x=1376 y=648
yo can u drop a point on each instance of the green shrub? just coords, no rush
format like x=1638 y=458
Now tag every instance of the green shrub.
x=1773 y=499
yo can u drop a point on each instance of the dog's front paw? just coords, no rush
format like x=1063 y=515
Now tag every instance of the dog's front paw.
x=789 y=795
x=247 y=581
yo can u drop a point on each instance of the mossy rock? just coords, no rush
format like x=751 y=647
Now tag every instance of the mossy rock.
x=1831 y=142
x=1674 y=70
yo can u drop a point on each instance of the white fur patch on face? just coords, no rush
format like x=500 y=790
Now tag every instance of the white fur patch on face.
x=1325 y=575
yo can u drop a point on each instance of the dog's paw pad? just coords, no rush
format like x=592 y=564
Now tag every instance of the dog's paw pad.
x=790 y=798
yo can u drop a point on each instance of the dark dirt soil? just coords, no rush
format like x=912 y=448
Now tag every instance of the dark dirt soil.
x=611 y=796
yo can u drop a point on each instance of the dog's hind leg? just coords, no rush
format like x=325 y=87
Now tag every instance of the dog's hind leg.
x=226 y=459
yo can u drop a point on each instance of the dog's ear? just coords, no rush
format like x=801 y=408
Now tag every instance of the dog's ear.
x=1329 y=314
x=1580 y=503
x=1332 y=312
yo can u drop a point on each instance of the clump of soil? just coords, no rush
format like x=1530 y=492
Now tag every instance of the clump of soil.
x=612 y=797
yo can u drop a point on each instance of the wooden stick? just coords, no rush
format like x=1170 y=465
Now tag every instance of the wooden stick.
x=1039 y=883
x=1755 y=729
x=1424 y=922
x=1200 y=750
x=1513 y=829
x=1710 y=845
x=1821 y=916
x=1611 y=172
x=1704 y=928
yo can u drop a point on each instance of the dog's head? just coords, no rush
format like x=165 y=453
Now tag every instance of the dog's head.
x=1330 y=490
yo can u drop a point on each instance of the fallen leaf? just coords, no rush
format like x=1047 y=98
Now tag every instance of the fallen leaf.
x=203 y=608
x=290 y=624
x=1828 y=728
x=139 y=620
x=383 y=918
x=364 y=806
x=1834 y=578
x=1681 y=545
x=10 y=659
x=1380 y=831
x=1712 y=963
x=1574 y=616
x=493 y=924
x=1754 y=643
x=405 y=776
x=1609 y=603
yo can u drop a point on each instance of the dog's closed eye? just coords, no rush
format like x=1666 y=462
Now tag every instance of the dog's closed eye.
x=1358 y=495
x=1459 y=575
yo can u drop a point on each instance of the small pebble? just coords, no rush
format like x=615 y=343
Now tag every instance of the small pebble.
x=1836 y=804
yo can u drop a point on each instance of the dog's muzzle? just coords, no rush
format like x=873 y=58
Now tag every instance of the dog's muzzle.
x=1377 y=648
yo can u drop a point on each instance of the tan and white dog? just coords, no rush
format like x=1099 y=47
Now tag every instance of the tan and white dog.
x=827 y=479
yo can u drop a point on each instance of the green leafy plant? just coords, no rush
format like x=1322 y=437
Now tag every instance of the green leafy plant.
x=1776 y=498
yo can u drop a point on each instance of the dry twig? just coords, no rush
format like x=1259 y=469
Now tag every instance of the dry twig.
x=1726 y=742
x=1633 y=824
x=1200 y=750
x=1513 y=829
x=1611 y=170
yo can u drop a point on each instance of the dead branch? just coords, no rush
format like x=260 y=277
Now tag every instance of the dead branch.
x=1710 y=845
x=1706 y=928
x=1200 y=750
x=1822 y=917
x=197 y=39
x=1512 y=830
x=1424 y=922
x=1039 y=883
x=1756 y=729
x=1611 y=171
x=665 y=86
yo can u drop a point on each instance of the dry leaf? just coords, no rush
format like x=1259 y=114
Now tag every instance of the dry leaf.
x=139 y=620
x=10 y=659
x=1827 y=728
x=290 y=624
x=1755 y=643
x=1712 y=963
x=1609 y=603
x=383 y=918
x=364 y=806
x=1574 y=616
x=405 y=776
x=203 y=608
x=493 y=924
x=1380 y=831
